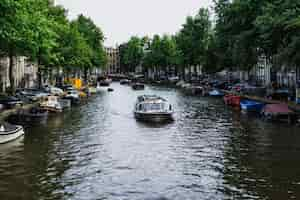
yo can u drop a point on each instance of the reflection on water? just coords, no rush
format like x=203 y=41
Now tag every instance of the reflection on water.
x=99 y=151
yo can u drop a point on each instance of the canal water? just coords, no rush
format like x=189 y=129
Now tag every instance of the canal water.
x=98 y=151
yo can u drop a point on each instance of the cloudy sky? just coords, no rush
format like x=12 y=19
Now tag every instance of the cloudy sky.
x=121 y=19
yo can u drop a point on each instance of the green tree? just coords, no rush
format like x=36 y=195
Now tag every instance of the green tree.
x=279 y=31
x=94 y=38
x=235 y=28
x=46 y=38
x=16 y=34
x=75 y=50
x=193 y=39
x=133 y=53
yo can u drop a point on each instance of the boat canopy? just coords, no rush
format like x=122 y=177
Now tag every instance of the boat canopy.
x=150 y=98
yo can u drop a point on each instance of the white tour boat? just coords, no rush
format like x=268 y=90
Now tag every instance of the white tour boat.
x=153 y=108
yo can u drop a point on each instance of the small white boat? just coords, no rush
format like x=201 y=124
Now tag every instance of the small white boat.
x=138 y=86
x=52 y=104
x=73 y=96
x=92 y=90
x=125 y=81
x=10 y=132
x=100 y=89
x=106 y=82
x=216 y=93
x=152 y=108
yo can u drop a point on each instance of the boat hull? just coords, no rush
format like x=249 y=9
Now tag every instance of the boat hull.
x=52 y=109
x=251 y=106
x=138 y=87
x=12 y=135
x=154 y=117
x=232 y=100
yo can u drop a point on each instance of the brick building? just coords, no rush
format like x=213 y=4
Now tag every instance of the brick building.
x=113 y=64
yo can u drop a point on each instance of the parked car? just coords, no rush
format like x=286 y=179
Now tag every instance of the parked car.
x=173 y=79
x=32 y=95
x=54 y=90
x=10 y=101
x=67 y=87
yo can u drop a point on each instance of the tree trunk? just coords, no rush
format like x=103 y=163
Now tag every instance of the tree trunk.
x=2 y=89
x=86 y=75
x=11 y=73
x=190 y=73
x=39 y=75
x=183 y=72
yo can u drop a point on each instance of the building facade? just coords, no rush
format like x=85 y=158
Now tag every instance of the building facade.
x=113 y=64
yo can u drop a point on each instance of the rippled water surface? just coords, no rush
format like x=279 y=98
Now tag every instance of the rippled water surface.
x=99 y=151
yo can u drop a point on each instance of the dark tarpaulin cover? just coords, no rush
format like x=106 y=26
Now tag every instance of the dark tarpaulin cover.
x=277 y=109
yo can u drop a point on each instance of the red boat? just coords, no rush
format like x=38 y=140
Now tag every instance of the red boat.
x=232 y=100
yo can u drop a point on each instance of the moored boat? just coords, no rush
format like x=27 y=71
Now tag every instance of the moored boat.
x=105 y=82
x=216 y=93
x=251 y=106
x=279 y=112
x=92 y=90
x=9 y=132
x=138 y=86
x=73 y=96
x=232 y=100
x=110 y=89
x=52 y=104
x=100 y=89
x=125 y=81
x=152 y=108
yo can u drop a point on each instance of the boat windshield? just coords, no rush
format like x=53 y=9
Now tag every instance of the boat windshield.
x=152 y=107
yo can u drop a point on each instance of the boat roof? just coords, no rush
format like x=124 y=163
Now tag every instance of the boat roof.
x=150 y=98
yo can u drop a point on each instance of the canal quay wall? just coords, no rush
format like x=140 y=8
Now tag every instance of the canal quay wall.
x=6 y=113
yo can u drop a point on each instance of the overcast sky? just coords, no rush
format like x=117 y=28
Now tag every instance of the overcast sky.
x=121 y=19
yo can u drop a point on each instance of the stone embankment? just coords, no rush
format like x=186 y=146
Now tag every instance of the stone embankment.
x=6 y=113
